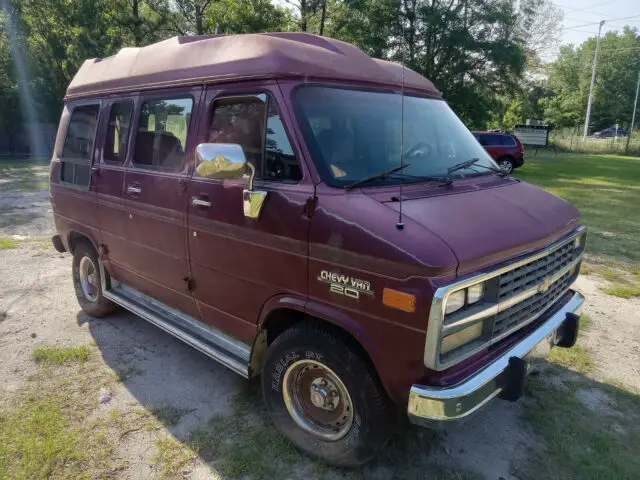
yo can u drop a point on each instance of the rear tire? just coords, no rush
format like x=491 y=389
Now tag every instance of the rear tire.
x=88 y=282
x=325 y=397
x=506 y=164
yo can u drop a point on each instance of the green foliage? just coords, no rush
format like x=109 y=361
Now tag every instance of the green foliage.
x=52 y=355
x=473 y=49
x=606 y=190
x=583 y=443
x=570 y=77
x=247 y=16
x=8 y=243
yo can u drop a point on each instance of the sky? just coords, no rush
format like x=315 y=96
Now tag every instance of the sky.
x=581 y=18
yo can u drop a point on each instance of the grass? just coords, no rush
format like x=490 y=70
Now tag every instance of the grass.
x=168 y=415
x=246 y=445
x=52 y=355
x=606 y=189
x=576 y=358
x=583 y=444
x=123 y=372
x=8 y=243
x=25 y=174
x=37 y=441
x=46 y=430
x=623 y=283
x=172 y=457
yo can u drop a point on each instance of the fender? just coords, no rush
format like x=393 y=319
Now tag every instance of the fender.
x=67 y=227
x=330 y=314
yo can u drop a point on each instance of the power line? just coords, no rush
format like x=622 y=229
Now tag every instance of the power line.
x=584 y=9
x=597 y=23
x=602 y=50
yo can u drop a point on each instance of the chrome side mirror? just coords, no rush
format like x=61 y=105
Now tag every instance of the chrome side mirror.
x=220 y=160
x=227 y=161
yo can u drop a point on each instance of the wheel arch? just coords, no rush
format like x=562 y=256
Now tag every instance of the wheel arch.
x=75 y=237
x=282 y=312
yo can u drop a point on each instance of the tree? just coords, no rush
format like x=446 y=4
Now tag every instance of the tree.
x=539 y=26
x=247 y=16
x=141 y=21
x=570 y=77
x=469 y=48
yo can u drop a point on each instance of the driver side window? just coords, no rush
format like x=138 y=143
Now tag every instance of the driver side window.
x=254 y=123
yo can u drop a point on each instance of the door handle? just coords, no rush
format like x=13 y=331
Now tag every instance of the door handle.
x=199 y=202
x=134 y=189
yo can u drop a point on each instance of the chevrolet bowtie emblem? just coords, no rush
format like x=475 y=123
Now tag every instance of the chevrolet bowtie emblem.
x=544 y=286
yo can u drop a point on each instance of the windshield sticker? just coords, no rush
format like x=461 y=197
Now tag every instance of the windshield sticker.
x=344 y=285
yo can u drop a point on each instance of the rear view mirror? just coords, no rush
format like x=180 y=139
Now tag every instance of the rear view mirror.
x=220 y=160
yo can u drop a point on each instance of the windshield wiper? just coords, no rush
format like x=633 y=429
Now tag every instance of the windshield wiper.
x=446 y=180
x=499 y=171
x=460 y=166
x=377 y=176
x=472 y=163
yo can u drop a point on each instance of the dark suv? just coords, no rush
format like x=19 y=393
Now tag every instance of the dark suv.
x=505 y=148
x=610 y=132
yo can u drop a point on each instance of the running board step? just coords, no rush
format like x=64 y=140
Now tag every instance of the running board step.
x=213 y=343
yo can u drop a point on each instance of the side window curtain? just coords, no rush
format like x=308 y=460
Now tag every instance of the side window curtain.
x=118 y=130
x=78 y=145
x=162 y=133
x=254 y=123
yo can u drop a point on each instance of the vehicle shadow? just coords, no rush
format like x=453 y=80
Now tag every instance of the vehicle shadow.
x=223 y=420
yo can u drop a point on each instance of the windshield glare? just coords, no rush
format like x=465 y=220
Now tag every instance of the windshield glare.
x=355 y=134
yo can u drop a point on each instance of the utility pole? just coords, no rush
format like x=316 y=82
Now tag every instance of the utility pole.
x=593 y=80
x=633 y=117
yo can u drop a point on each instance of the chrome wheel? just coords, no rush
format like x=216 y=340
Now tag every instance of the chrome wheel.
x=317 y=400
x=88 y=279
x=506 y=166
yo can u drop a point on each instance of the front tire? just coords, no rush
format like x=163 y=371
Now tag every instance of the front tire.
x=325 y=397
x=506 y=164
x=88 y=282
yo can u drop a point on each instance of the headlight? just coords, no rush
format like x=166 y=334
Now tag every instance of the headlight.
x=461 y=337
x=475 y=293
x=466 y=296
x=455 y=301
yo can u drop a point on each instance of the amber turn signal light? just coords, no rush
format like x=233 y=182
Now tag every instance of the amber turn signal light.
x=400 y=300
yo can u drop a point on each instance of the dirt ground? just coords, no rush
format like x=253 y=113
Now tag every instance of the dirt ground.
x=38 y=307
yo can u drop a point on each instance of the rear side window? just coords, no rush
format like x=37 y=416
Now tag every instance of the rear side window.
x=162 y=133
x=493 y=140
x=483 y=139
x=508 y=141
x=78 y=145
x=117 y=139
x=254 y=123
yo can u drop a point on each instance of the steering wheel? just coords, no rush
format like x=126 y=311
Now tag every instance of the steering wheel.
x=421 y=148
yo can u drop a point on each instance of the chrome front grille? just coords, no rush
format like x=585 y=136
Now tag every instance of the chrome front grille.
x=533 y=273
x=521 y=313
x=515 y=295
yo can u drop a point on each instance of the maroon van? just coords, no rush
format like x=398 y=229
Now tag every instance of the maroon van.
x=503 y=147
x=306 y=214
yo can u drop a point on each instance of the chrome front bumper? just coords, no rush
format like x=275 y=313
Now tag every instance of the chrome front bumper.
x=429 y=404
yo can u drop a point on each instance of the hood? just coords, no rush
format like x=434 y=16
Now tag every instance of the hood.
x=487 y=226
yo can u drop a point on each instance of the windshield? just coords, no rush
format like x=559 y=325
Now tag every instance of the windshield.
x=355 y=134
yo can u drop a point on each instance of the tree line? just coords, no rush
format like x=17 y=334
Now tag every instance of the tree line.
x=484 y=55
